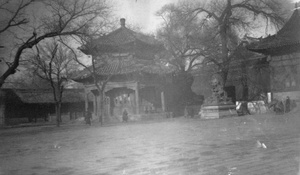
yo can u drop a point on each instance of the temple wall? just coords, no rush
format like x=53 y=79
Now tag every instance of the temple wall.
x=285 y=77
x=294 y=95
x=285 y=73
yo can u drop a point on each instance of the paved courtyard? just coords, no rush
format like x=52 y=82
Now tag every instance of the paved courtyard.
x=260 y=144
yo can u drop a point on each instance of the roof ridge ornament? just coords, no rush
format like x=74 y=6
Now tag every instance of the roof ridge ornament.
x=122 y=22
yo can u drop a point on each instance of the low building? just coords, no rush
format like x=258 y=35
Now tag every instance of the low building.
x=30 y=105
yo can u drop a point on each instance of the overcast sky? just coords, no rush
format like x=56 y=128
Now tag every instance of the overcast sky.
x=140 y=13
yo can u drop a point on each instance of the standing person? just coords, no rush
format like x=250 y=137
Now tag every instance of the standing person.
x=125 y=115
x=287 y=104
x=88 y=117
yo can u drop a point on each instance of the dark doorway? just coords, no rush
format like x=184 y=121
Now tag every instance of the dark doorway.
x=230 y=90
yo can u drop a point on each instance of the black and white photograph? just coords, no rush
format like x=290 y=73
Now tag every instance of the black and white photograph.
x=149 y=87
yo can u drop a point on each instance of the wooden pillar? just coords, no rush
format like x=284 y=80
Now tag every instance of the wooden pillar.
x=99 y=109
x=95 y=103
x=86 y=100
x=137 y=98
x=107 y=100
x=163 y=106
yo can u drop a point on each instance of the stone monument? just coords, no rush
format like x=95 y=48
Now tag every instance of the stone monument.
x=218 y=105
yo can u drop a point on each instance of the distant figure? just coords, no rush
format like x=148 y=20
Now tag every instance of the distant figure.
x=287 y=104
x=243 y=110
x=186 y=114
x=125 y=115
x=88 y=117
x=279 y=107
x=146 y=110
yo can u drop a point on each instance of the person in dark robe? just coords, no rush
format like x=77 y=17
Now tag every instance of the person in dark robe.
x=287 y=104
x=125 y=115
x=279 y=107
x=88 y=117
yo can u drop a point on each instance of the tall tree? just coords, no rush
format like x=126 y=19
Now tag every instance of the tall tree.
x=197 y=33
x=228 y=19
x=59 y=18
x=178 y=32
x=91 y=68
x=54 y=63
x=208 y=33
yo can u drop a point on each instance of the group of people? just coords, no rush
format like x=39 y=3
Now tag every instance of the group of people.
x=88 y=117
x=281 y=107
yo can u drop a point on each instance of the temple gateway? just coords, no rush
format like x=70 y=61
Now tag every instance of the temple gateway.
x=131 y=67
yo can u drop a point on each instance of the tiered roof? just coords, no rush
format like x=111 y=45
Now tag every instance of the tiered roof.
x=286 y=40
x=124 y=40
x=125 y=65
x=123 y=52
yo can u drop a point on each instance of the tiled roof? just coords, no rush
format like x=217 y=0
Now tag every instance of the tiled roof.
x=43 y=95
x=123 y=35
x=112 y=66
x=123 y=39
x=125 y=52
x=287 y=36
x=159 y=68
x=121 y=66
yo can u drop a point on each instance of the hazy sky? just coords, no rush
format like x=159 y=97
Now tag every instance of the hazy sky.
x=140 y=13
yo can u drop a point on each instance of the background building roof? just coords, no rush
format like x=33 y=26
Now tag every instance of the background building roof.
x=41 y=95
x=286 y=40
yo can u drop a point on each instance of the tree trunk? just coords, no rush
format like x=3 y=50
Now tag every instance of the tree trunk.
x=1 y=82
x=224 y=75
x=179 y=93
x=244 y=82
x=224 y=42
x=101 y=104
x=58 y=113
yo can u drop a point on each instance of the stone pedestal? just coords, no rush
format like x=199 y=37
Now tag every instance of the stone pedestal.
x=218 y=111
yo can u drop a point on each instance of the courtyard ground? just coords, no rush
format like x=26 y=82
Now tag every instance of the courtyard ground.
x=254 y=144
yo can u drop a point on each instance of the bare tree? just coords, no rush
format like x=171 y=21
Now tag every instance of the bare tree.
x=208 y=33
x=181 y=32
x=179 y=25
x=13 y=14
x=229 y=18
x=54 y=63
x=211 y=31
x=100 y=83
x=61 y=18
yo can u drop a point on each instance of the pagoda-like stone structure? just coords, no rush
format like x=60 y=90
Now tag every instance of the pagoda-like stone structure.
x=131 y=65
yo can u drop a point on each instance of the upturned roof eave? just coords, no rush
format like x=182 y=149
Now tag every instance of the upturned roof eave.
x=278 y=50
x=289 y=34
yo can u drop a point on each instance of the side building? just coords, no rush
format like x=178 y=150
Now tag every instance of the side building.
x=282 y=51
x=19 y=106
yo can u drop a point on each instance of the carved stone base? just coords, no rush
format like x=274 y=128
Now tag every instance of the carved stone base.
x=218 y=111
